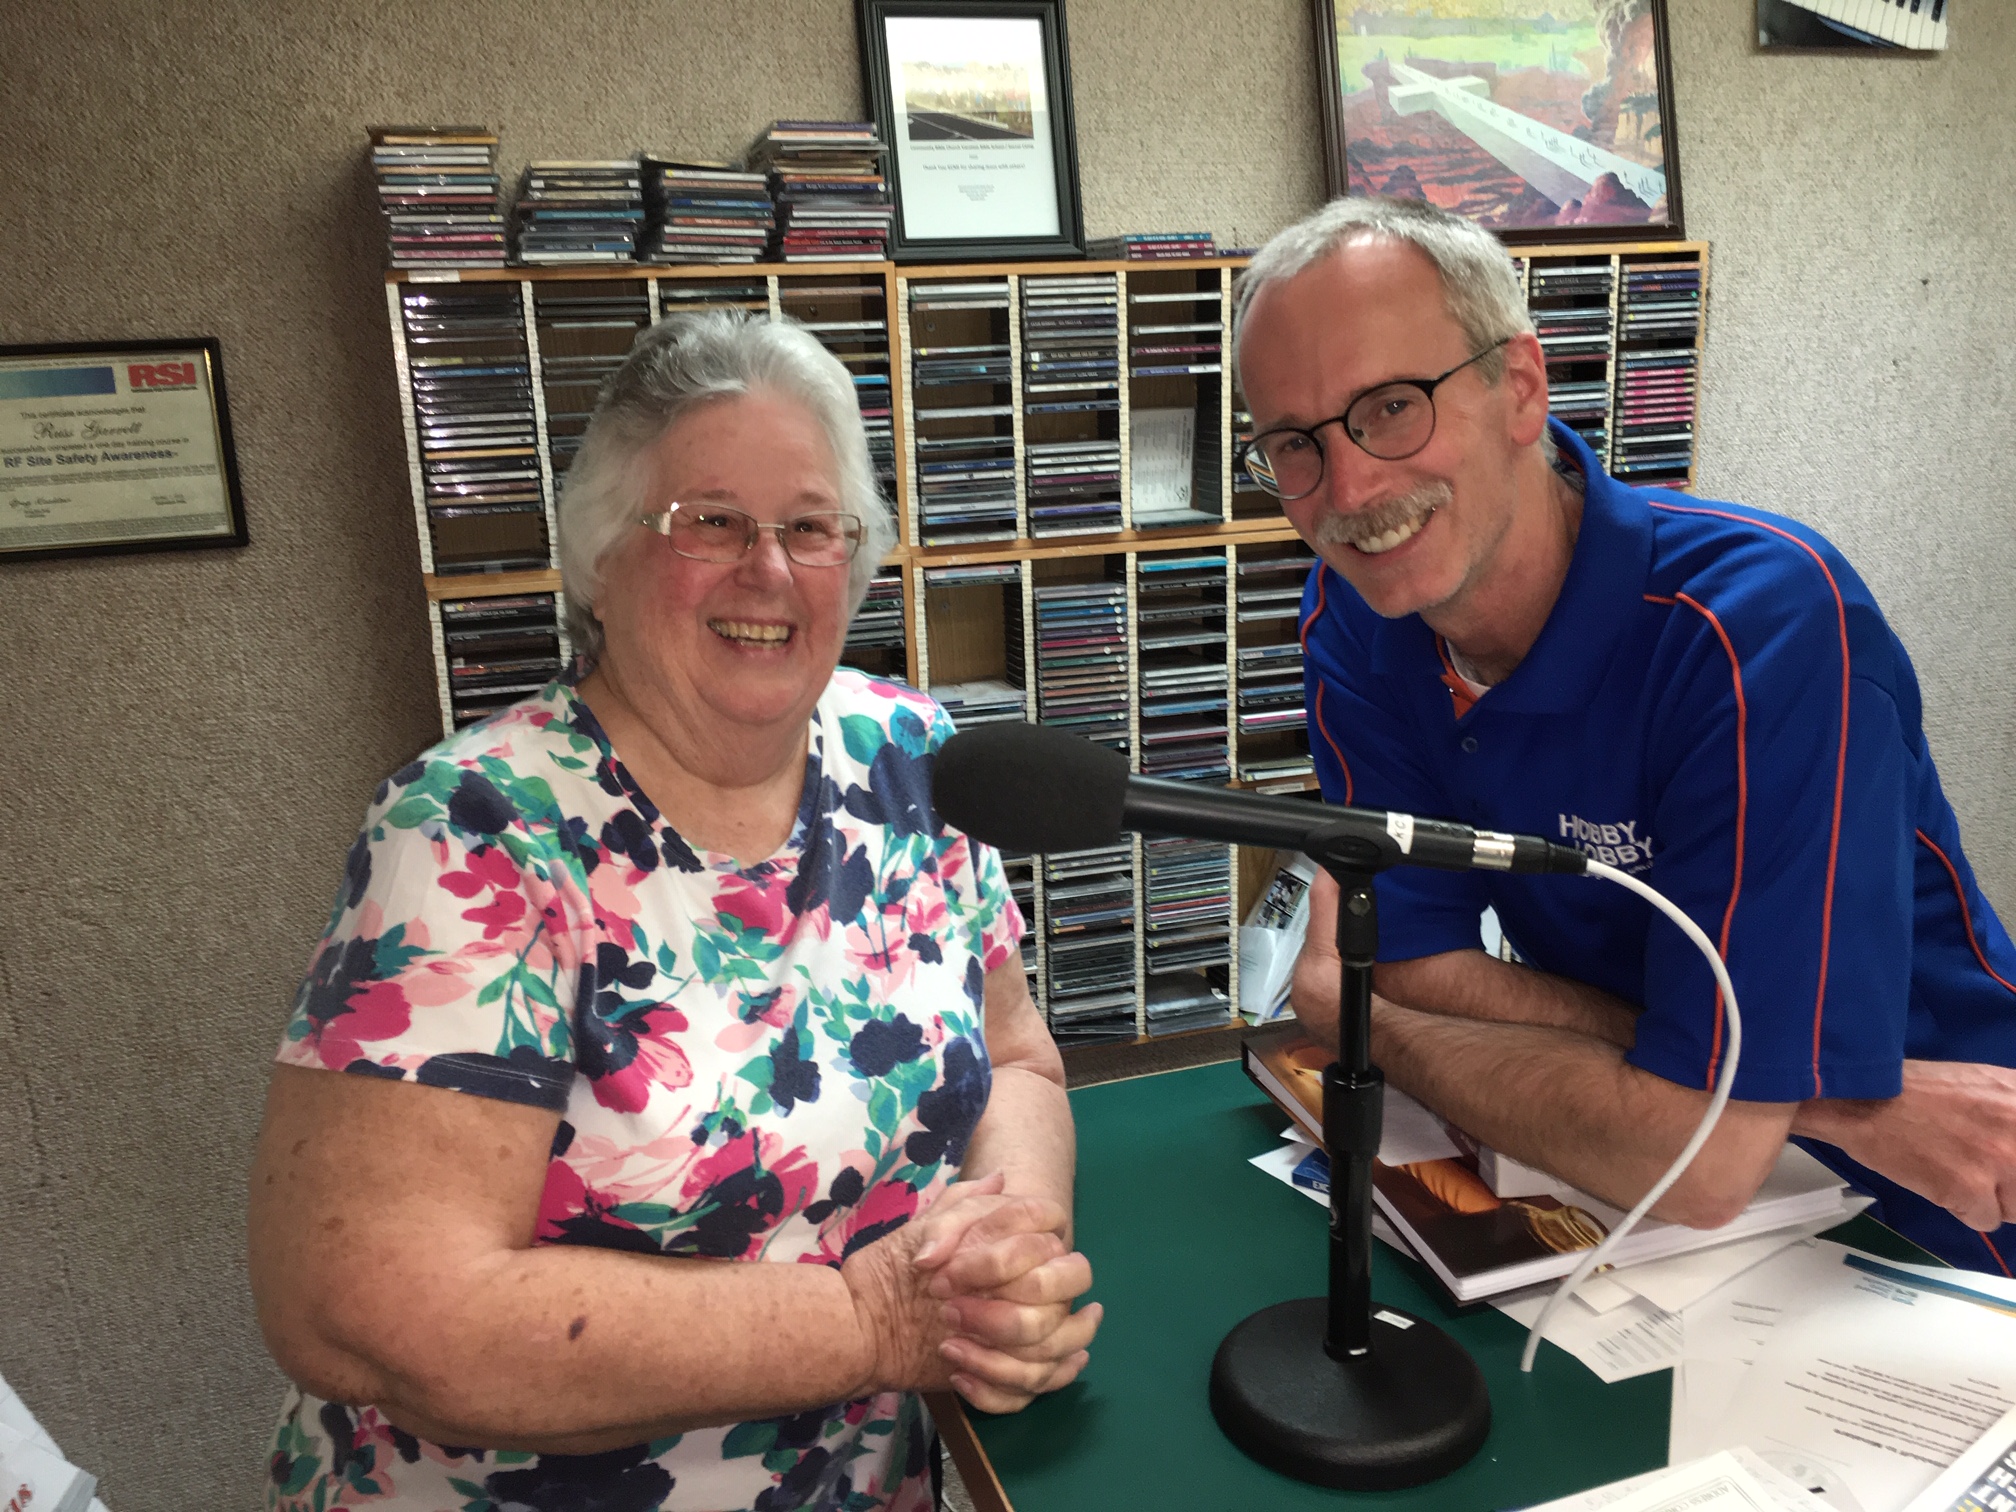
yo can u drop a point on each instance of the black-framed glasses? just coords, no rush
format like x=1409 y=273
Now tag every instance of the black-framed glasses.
x=717 y=533
x=1390 y=421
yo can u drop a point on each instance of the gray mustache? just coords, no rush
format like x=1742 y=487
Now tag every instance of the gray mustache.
x=1362 y=525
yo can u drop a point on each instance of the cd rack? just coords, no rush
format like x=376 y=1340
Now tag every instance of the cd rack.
x=1060 y=442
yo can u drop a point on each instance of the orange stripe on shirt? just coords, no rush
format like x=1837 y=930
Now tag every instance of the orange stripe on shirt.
x=1991 y=1243
x=1840 y=760
x=1335 y=749
x=1966 y=914
x=1742 y=811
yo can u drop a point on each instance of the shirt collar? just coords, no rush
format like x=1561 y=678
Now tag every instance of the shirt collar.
x=1606 y=580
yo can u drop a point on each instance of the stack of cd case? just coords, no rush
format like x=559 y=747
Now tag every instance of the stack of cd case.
x=1653 y=436
x=1071 y=403
x=1020 y=871
x=441 y=196
x=702 y=212
x=1270 y=687
x=580 y=211
x=499 y=650
x=875 y=639
x=1088 y=902
x=1188 y=887
x=470 y=377
x=1571 y=305
x=850 y=316
x=1082 y=682
x=585 y=332
x=1184 y=680
x=962 y=410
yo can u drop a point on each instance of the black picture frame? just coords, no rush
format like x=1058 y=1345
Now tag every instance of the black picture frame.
x=1533 y=215
x=145 y=371
x=917 y=236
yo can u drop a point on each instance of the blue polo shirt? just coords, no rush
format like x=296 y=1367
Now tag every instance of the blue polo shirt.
x=1716 y=705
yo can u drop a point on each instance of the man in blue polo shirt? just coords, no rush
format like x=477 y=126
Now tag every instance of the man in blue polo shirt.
x=1702 y=694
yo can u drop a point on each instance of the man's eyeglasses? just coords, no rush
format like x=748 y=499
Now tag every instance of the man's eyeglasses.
x=716 y=533
x=1391 y=422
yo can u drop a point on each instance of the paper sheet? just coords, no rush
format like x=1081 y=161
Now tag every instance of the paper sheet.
x=1881 y=1383
x=1633 y=1340
x=1730 y=1481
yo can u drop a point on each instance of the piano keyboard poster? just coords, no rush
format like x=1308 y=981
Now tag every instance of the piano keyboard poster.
x=1917 y=25
x=1524 y=115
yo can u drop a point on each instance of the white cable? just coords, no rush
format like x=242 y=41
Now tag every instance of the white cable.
x=1674 y=1172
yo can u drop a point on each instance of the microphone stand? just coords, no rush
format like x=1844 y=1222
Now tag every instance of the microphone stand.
x=1328 y=1389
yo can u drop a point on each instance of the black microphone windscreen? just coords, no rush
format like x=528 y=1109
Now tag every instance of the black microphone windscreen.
x=1024 y=787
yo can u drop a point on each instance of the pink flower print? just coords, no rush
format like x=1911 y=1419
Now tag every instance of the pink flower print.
x=881 y=1211
x=755 y=903
x=742 y=1193
x=350 y=998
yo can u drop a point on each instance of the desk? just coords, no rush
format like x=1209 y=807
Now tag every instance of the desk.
x=1185 y=1239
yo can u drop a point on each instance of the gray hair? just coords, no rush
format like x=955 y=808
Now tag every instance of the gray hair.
x=685 y=361
x=1480 y=287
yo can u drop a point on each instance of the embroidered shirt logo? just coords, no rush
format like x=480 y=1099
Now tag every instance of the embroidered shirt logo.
x=1618 y=844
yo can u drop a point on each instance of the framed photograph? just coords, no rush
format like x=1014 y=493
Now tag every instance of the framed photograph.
x=974 y=99
x=1856 y=25
x=1545 y=120
x=116 y=446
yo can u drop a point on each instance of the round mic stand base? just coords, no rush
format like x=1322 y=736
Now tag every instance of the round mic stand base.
x=1410 y=1409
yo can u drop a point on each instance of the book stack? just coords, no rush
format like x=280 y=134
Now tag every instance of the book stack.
x=580 y=211
x=833 y=202
x=440 y=193
x=1155 y=246
x=1081 y=658
x=33 y=1472
x=1184 y=682
x=1656 y=373
x=850 y=316
x=1071 y=405
x=962 y=410
x=702 y=212
x=1572 y=315
x=875 y=639
x=474 y=426
x=499 y=651
x=585 y=332
x=1088 y=899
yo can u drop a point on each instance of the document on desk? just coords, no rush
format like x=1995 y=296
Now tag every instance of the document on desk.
x=1733 y=1480
x=1981 y=1480
x=1879 y=1383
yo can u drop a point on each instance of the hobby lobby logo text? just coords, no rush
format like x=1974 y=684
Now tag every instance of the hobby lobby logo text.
x=1617 y=844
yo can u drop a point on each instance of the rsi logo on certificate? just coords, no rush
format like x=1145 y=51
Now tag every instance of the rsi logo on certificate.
x=107 y=448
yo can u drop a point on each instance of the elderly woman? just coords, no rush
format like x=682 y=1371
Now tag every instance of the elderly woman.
x=662 y=970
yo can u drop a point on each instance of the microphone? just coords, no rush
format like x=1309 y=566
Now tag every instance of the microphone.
x=1027 y=787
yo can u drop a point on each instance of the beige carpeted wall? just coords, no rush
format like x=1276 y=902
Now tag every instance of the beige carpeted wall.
x=190 y=738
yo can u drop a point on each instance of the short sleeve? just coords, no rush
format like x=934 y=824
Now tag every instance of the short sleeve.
x=448 y=959
x=1812 y=909
x=1363 y=743
x=975 y=885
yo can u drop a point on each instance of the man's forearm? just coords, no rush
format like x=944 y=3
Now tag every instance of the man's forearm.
x=1571 y=1105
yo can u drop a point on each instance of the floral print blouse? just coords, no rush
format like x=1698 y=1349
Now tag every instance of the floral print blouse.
x=778 y=1062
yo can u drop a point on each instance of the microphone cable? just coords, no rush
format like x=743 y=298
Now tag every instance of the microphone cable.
x=1720 y=1100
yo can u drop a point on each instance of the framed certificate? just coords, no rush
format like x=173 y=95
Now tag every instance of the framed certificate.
x=974 y=99
x=116 y=446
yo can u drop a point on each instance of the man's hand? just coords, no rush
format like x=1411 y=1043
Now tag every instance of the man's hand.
x=1949 y=1136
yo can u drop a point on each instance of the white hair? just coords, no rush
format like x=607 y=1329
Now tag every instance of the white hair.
x=1480 y=287
x=685 y=361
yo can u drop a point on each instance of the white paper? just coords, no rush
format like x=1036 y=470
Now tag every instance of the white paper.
x=1682 y=1280
x=1883 y=1383
x=1986 y=1471
x=1161 y=454
x=1730 y=1481
x=14 y=1415
x=1633 y=1340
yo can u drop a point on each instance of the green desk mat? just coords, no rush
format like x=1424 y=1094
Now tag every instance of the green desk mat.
x=1186 y=1239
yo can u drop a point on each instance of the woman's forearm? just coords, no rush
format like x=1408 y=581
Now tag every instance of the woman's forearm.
x=1026 y=1134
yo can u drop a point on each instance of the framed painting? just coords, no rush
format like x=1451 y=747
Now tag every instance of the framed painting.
x=1544 y=120
x=974 y=99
